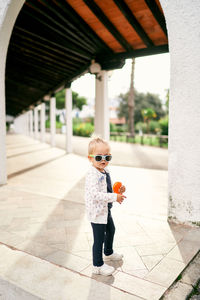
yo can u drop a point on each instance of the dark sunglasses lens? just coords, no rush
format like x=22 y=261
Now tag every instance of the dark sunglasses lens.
x=108 y=157
x=98 y=157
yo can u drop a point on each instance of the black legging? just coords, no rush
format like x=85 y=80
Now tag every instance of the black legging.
x=102 y=233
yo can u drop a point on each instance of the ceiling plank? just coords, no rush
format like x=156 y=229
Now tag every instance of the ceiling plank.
x=81 y=25
x=74 y=49
x=52 y=51
x=64 y=30
x=47 y=55
x=55 y=46
x=133 y=22
x=16 y=82
x=152 y=5
x=106 y=22
x=55 y=65
x=72 y=30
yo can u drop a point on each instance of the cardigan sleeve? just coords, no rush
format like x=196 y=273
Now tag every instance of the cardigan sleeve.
x=92 y=192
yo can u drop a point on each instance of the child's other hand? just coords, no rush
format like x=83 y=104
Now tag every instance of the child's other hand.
x=122 y=189
x=120 y=198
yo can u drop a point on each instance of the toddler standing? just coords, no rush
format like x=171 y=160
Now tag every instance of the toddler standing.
x=99 y=197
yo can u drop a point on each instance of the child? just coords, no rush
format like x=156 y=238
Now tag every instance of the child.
x=99 y=197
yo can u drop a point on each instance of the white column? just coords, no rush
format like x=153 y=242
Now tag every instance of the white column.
x=8 y=14
x=3 y=175
x=42 y=122
x=26 y=121
x=53 y=121
x=68 y=107
x=31 y=123
x=36 y=122
x=102 y=114
x=184 y=110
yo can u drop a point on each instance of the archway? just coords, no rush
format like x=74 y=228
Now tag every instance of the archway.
x=182 y=157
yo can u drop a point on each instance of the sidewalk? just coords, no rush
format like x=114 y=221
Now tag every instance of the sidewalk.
x=46 y=240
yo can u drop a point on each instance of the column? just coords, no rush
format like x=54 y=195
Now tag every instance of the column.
x=102 y=115
x=36 y=122
x=184 y=110
x=68 y=107
x=42 y=123
x=3 y=174
x=9 y=12
x=26 y=117
x=31 y=123
x=53 y=121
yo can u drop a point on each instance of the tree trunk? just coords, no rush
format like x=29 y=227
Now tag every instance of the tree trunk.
x=131 y=102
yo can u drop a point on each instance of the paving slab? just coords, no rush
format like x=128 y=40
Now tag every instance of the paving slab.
x=45 y=233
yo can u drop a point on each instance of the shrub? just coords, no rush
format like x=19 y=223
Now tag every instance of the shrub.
x=141 y=126
x=58 y=124
x=154 y=126
x=164 y=125
x=83 y=129
x=113 y=127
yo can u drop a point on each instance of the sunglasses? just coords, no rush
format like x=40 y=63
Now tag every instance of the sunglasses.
x=100 y=157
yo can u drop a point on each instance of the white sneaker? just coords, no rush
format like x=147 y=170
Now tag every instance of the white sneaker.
x=103 y=270
x=114 y=256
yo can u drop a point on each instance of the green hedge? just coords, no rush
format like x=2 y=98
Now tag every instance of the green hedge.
x=164 y=125
x=83 y=129
x=58 y=124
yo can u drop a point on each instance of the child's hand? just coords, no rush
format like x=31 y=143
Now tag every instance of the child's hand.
x=122 y=189
x=120 y=198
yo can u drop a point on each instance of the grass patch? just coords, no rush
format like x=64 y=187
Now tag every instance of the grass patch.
x=151 y=140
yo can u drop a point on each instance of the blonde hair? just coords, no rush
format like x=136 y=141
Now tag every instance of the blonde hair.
x=94 y=142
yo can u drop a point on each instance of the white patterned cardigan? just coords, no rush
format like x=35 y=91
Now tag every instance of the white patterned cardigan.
x=96 y=196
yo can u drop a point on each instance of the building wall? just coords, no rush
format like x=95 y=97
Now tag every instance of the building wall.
x=183 y=24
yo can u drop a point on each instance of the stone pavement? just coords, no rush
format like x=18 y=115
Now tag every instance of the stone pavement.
x=46 y=240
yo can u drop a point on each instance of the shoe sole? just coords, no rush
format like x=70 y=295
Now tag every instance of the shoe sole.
x=99 y=273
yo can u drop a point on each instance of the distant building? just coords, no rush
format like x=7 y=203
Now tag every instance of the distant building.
x=114 y=118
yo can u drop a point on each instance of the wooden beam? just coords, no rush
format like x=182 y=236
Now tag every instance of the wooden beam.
x=152 y=5
x=48 y=55
x=72 y=30
x=107 y=23
x=82 y=26
x=133 y=22
x=47 y=19
x=32 y=70
x=27 y=78
x=57 y=47
x=134 y=53
x=52 y=51
x=69 y=45
x=44 y=60
x=16 y=83
x=11 y=104
x=15 y=99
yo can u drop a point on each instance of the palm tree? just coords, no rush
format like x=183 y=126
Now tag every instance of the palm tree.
x=131 y=101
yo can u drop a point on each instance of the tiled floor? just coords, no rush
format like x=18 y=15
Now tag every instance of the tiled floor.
x=42 y=215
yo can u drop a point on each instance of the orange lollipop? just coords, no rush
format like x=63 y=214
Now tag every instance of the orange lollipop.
x=116 y=187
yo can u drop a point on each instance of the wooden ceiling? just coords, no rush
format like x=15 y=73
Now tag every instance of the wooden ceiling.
x=54 y=41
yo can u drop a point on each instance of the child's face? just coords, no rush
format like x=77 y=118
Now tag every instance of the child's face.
x=100 y=149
